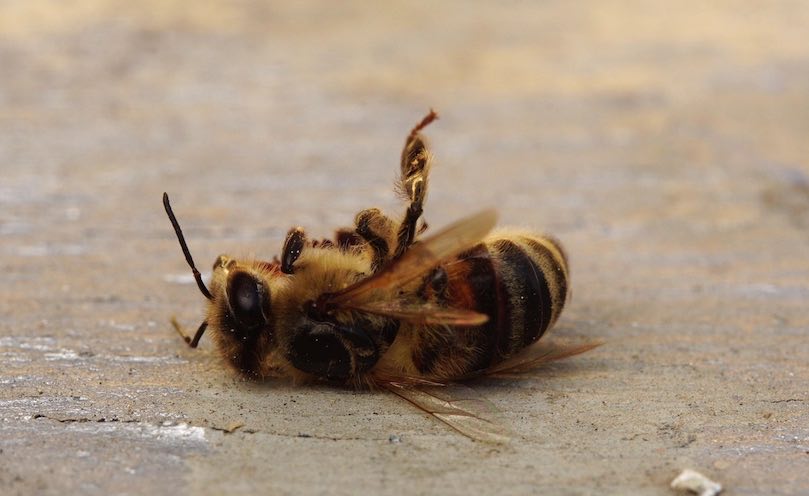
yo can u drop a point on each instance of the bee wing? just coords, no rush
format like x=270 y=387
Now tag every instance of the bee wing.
x=535 y=356
x=462 y=408
x=422 y=313
x=459 y=407
x=415 y=262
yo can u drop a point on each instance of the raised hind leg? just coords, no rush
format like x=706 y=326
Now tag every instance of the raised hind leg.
x=387 y=239
x=412 y=185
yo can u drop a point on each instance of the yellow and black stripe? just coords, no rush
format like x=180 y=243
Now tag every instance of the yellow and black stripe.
x=519 y=281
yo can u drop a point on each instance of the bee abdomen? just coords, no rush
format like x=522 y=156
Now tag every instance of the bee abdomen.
x=520 y=282
x=533 y=271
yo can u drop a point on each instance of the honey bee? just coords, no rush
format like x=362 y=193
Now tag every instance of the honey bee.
x=378 y=306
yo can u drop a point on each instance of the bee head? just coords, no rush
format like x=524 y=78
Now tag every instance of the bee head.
x=245 y=295
x=238 y=305
x=239 y=314
x=239 y=294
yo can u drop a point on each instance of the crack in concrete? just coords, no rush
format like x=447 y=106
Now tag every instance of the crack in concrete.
x=232 y=428
x=226 y=430
x=299 y=435
x=328 y=438
x=81 y=420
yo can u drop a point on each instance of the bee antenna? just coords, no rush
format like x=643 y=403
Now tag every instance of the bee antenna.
x=181 y=239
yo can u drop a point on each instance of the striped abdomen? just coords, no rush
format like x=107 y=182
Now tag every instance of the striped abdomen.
x=520 y=281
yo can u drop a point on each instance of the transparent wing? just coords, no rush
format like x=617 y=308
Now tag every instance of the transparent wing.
x=459 y=407
x=535 y=356
x=462 y=408
x=415 y=263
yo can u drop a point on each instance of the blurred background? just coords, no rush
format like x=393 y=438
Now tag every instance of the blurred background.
x=664 y=143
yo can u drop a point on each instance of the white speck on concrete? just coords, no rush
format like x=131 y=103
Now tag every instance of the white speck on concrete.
x=63 y=354
x=696 y=483
x=170 y=434
x=179 y=432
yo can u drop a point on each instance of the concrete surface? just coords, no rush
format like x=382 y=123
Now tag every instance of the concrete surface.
x=665 y=145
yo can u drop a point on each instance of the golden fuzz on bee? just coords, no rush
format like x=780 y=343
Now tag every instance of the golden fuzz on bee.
x=382 y=305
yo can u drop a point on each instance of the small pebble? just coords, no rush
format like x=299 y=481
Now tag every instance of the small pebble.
x=696 y=483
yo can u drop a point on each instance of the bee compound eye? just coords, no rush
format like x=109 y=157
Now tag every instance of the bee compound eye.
x=247 y=297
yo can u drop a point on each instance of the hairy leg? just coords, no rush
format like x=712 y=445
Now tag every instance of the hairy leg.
x=412 y=186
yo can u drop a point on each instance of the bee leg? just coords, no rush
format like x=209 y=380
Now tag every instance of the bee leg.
x=415 y=167
x=192 y=342
x=293 y=245
x=332 y=351
x=378 y=230
x=347 y=238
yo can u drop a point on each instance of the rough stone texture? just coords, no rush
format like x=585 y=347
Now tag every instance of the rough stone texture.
x=665 y=144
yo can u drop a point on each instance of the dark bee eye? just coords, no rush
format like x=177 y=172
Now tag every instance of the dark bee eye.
x=249 y=300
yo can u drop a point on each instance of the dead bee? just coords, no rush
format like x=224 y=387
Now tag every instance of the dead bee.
x=379 y=307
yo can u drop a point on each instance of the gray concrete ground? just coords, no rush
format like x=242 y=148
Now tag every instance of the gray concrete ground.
x=665 y=144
